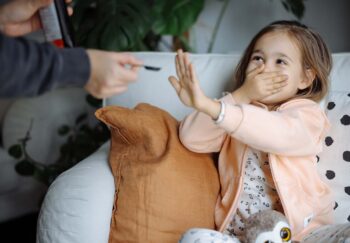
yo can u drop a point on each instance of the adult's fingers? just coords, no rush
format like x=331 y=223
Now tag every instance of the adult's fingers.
x=35 y=5
x=125 y=58
x=114 y=91
x=70 y=11
x=105 y=92
x=125 y=74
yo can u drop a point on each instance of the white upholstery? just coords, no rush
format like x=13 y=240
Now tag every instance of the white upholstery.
x=64 y=219
x=78 y=205
x=334 y=168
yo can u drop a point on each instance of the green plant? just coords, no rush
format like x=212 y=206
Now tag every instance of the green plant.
x=82 y=140
x=130 y=25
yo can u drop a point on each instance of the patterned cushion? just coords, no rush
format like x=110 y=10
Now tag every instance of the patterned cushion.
x=334 y=161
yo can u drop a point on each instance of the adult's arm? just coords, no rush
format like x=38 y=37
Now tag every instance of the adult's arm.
x=29 y=68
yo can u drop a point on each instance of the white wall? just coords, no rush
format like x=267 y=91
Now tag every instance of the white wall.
x=244 y=18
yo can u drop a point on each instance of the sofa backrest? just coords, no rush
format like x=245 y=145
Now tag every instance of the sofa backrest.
x=214 y=72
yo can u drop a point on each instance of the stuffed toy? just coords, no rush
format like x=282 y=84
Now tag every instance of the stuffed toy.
x=266 y=227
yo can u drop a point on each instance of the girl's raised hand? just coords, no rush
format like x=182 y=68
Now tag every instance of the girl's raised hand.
x=259 y=85
x=186 y=84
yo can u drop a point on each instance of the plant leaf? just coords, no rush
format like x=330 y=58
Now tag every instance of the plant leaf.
x=16 y=151
x=81 y=118
x=63 y=130
x=118 y=25
x=175 y=17
x=25 y=168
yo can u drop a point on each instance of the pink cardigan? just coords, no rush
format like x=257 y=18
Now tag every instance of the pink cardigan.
x=292 y=136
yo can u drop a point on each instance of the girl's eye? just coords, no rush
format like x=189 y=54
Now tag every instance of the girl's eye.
x=281 y=61
x=257 y=58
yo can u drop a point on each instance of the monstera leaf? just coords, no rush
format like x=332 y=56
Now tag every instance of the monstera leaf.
x=121 y=25
x=111 y=24
x=176 y=17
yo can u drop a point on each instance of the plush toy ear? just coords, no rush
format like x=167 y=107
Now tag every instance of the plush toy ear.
x=141 y=132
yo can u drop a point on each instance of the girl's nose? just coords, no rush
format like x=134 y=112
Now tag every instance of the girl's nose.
x=268 y=67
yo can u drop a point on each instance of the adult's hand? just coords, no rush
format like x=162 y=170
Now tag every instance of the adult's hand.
x=20 y=17
x=111 y=72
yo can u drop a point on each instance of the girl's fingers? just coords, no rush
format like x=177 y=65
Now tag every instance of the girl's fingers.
x=275 y=91
x=270 y=75
x=192 y=72
x=277 y=81
x=276 y=86
x=256 y=70
x=187 y=63
x=181 y=62
x=175 y=83
x=178 y=69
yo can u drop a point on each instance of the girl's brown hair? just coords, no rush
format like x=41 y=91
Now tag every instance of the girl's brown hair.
x=314 y=53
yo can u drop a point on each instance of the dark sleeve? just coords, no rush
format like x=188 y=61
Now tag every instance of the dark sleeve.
x=29 y=68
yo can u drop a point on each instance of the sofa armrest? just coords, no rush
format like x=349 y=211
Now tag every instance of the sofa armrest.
x=78 y=205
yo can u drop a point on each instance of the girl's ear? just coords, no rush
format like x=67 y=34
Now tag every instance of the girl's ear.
x=309 y=77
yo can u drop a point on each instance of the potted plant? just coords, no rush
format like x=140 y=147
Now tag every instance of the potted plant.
x=132 y=25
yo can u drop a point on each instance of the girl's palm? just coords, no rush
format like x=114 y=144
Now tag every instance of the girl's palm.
x=186 y=84
x=188 y=93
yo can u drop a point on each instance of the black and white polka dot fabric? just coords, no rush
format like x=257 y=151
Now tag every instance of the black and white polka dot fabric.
x=334 y=161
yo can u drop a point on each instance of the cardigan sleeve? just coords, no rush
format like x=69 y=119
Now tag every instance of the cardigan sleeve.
x=30 y=68
x=200 y=133
x=296 y=129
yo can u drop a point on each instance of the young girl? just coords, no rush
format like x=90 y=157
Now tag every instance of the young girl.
x=268 y=131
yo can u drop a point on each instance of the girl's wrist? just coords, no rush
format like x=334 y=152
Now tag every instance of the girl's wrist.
x=211 y=108
x=240 y=96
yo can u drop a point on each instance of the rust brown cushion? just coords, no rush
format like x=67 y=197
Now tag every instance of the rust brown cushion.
x=162 y=189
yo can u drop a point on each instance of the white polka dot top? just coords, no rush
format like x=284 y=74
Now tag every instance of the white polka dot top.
x=258 y=192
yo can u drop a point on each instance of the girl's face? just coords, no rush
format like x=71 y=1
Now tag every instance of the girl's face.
x=278 y=52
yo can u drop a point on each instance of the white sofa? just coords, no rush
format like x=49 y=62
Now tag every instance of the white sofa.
x=78 y=205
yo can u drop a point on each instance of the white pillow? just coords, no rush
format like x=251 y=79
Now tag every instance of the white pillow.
x=334 y=161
